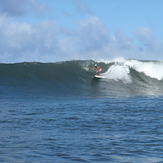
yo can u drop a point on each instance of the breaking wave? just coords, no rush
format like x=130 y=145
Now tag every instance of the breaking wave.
x=74 y=78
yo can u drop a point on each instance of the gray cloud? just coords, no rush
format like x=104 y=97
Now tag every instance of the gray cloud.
x=82 y=8
x=15 y=8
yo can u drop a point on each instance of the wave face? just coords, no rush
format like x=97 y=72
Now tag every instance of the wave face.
x=74 y=78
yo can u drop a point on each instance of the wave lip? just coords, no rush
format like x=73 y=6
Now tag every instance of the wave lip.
x=153 y=69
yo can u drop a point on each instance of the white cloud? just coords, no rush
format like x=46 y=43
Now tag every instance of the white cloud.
x=87 y=41
x=20 y=41
x=145 y=35
x=47 y=41
x=147 y=45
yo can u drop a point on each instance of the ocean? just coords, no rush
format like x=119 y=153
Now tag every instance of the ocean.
x=58 y=112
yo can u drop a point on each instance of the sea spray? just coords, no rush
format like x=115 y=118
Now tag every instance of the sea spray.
x=118 y=72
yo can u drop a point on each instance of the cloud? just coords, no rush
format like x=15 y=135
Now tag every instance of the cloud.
x=122 y=41
x=82 y=8
x=147 y=44
x=15 y=8
x=93 y=35
x=87 y=41
x=47 y=41
x=25 y=42
x=145 y=35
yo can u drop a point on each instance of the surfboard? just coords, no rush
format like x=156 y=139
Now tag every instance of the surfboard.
x=98 y=76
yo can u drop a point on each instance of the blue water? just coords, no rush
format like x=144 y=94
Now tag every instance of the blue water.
x=43 y=119
x=82 y=130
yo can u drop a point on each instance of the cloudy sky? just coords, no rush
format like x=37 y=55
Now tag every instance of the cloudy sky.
x=57 y=30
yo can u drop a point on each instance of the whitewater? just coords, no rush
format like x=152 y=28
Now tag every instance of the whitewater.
x=58 y=112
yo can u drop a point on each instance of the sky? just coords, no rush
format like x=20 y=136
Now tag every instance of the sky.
x=59 y=30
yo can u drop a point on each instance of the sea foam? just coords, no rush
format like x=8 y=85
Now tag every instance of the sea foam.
x=152 y=69
x=118 y=72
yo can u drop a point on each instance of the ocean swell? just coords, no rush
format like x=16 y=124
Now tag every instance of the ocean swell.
x=74 y=78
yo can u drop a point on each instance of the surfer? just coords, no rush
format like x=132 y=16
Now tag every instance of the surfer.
x=98 y=69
